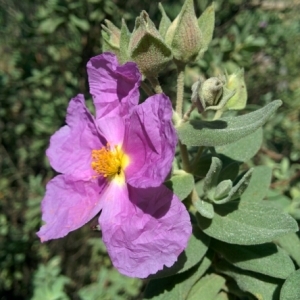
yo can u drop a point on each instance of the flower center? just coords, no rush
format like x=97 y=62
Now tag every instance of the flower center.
x=109 y=162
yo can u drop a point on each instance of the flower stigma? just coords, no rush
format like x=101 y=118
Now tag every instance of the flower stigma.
x=110 y=163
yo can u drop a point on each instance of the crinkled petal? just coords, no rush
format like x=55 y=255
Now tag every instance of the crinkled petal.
x=143 y=229
x=150 y=141
x=114 y=88
x=71 y=147
x=69 y=204
x=112 y=128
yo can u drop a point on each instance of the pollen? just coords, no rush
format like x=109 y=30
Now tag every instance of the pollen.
x=109 y=161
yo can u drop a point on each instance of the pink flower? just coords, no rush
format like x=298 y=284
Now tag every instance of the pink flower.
x=116 y=163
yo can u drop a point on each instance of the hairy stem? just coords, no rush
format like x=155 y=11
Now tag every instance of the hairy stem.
x=155 y=84
x=147 y=89
x=180 y=89
x=185 y=157
x=198 y=155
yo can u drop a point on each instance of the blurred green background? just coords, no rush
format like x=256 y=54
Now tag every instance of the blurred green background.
x=44 y=48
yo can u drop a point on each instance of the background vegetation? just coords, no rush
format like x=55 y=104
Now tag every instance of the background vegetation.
x=44 y=47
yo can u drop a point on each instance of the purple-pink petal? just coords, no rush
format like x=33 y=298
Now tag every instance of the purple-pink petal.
x=112 y=128
x=150 y=141
x=69 y=204
x=71 y=147
x=114 y=87
x=143 y=229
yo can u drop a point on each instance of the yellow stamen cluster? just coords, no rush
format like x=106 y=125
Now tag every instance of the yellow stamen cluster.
x=106 y=162
x=109 y=162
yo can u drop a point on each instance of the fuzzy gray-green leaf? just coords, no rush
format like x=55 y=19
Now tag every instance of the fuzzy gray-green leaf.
x=261 y=286
x=207 y=287
x=165 y=22
x=181 y=184
x=206 y=23
x=227 y=130
x=223 y=189
x=267 y=259
x=237 y=190
x=211 y=178
x=291 y=244
x=204 y=208
x=258 y=185
x=177 y=286
x=247 y=223
x=193 y=253
x=291 y=287
x=243 y=149
x=124 y=42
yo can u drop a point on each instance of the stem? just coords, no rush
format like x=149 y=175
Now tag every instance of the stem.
x=187 y=115
x=194 y=196
x=198 y=155
x=180 y=88
x=146 y=88
x=218 y=114
x=185 y=157
x=155 y=84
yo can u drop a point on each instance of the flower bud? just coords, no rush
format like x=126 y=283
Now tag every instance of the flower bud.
x=212 y=94
x=147 y=48
x=236 y=82
x=184 y=35
x=111 y=37
x=212 y=90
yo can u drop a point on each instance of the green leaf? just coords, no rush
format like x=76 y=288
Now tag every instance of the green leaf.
x=124 y=42
x=207 y=287
x=291 y=287
x=204 y=208
x=50 y=25
x=291 y=244
x=211 y=178
x=196 y=249
x=80 y=23
x=243 y=149
x=165 y=22
x=223 y=189
x=279 y=200
x=222 y=296
x=201 y=167
x=181 y=184
x=107 y=46
x=206 y=23
x=111 y=38
x=266 y=258
x=237 y=190
x=230 y=170
x=236 y=82
x=261 y=286
x=258 y=185
x=247 y=223
x=178 y=286
x=224 y=131
x=48 y=283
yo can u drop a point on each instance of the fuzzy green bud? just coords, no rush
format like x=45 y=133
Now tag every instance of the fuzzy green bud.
x=147 y=47
x=184 y=35
x=212 y=90
x=210 y=94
